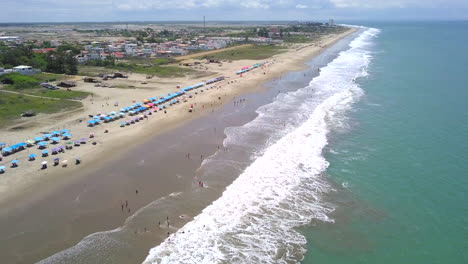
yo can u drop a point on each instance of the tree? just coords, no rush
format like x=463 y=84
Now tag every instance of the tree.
x=140 y=39
x=70 y=64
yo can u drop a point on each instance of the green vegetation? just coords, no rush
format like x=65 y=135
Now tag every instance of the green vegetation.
x=18 y=81
x=160 y=71
x=148 y=61
x=12 y=106
x=297 y=39
x=61 y=94
x=254 y=52
x=59 y=61
x=48 y=77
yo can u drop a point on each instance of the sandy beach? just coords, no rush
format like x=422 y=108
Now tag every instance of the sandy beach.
x=28 y=192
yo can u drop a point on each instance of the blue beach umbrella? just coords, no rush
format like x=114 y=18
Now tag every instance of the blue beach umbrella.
x=66 y=135
x=32 y=156
x=55 y=139
x=47 y=135
x=38 y=139
x=2 y=144
x=2 y=168
x=55 y=132
x=45 y=151
x=64 y=131
x=14 y=161
x=42 y=144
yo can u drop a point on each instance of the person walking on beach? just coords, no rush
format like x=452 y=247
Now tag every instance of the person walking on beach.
x=126 y=203
x=122 y=207
x=136 y=191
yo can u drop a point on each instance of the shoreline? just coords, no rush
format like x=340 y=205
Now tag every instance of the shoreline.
x=108 y=155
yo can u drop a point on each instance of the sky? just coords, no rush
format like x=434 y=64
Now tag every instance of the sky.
x=231 y=10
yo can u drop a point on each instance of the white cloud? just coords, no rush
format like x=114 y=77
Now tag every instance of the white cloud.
x=301 y=6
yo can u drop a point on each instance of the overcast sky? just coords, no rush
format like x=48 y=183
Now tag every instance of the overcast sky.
x=159 y=10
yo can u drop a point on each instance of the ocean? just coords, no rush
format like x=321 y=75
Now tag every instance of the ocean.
x=364 y=164
x=360 y=158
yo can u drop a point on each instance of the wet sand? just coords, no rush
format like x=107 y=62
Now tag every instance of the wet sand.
x=156 y=168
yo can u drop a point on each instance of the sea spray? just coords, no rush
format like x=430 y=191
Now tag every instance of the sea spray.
x=254 y=220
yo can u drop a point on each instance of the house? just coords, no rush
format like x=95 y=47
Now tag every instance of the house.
x=46 y=50
x=131 y=49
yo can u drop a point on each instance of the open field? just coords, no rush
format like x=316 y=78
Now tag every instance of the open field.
x=156 y=70
x=211 y=52
x=248 y=52
x=12 y=105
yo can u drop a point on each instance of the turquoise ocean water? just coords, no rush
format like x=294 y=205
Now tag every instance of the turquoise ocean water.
x=399 y=161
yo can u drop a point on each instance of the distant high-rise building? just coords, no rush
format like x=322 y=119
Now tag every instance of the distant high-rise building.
x=331 y=22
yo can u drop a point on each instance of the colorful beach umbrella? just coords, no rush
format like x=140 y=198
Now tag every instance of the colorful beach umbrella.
x=32 y=155
x=7 y=149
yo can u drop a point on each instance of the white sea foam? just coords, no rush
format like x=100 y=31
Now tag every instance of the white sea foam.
x=255 y=218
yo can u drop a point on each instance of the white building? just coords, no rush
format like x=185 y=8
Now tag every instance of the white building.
x=131 y=49
x=9 y=38
x=25 y=70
